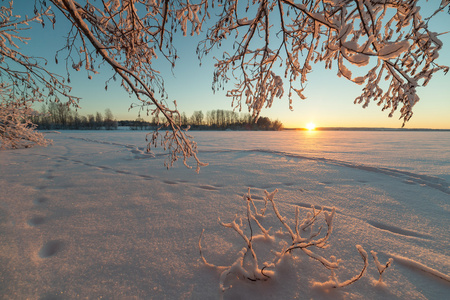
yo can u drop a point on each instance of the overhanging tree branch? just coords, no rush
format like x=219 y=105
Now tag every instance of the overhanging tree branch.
x=181 y=142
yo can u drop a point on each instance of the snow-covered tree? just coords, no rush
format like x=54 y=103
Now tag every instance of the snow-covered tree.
x=16 y=129
x=277 y=42
x=23 y=81
x=269 y=46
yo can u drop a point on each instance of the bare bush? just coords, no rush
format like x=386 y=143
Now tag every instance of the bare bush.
x=16 y=131
x=304 y=235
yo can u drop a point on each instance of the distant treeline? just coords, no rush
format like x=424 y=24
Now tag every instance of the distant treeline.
x=60 y=116
x=213 y=120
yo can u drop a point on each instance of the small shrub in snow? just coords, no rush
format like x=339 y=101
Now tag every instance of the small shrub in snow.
x=24 y=80
x=16 y=131
x=302 y=235
x=380 y=267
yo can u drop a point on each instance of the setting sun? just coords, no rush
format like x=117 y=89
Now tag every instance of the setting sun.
x=310 y=126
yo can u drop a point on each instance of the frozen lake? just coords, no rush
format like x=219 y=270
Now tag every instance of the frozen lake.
x=94 y=216
x=424 y=152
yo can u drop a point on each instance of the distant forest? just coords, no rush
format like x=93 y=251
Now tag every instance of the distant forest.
x=60 y=116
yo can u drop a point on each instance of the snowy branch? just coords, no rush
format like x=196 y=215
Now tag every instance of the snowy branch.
x=390 y=36
x=16 y=130
x=127 y=42
x=24 y=80
x=303 y=237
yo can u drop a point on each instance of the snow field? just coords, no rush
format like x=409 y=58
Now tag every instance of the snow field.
x=94 y=216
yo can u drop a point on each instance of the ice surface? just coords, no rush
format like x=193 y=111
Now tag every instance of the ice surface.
x=94 y=217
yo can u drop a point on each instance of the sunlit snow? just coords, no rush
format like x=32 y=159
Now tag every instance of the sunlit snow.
x=94 y=216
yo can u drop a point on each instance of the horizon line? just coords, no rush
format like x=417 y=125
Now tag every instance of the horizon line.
x=357 y=128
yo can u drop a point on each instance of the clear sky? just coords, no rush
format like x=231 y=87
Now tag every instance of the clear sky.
x=329 y=100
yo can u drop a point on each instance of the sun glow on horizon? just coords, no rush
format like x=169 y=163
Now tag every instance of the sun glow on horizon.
x=310 y=126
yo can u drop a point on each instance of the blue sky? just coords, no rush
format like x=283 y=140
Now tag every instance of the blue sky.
x=329 y=98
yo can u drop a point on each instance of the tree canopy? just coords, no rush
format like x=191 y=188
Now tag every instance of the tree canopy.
x=266 y=46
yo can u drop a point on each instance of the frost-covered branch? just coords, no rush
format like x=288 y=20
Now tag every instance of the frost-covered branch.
x=380 y=267
x=16 y=129
x=116 y=33
x=24 y=80
x=27 y=76
x=387 y=42
x=303 y=237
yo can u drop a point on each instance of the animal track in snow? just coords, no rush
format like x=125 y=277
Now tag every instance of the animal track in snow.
x=169 y=182
x=409 y=182
x=208 y=187
x=50 y=248
x=102 y=168
x=326 y=182
x=141 y=154
x=397 y=230
x=36 y=221
x=424 y=180
x=40 y=200
x=147 y=177
x=137 y=152
x=123 y=172
x=49 y=175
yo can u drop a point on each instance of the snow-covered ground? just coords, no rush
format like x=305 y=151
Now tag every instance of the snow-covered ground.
x=94 y=217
